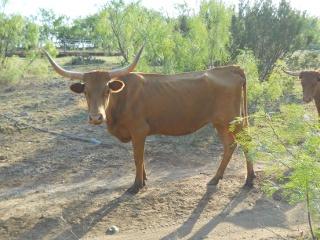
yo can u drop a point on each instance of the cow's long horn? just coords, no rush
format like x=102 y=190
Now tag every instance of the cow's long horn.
x=129 y=68
x=291 y=73
x=61 y=71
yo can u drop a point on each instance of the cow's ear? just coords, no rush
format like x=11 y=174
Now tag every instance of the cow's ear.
x=77 y=87
x=115 y=85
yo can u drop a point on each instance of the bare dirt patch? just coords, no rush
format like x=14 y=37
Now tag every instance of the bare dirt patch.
x=54 y=187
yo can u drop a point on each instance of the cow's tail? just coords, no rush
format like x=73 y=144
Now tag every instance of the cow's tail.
x=245 y=109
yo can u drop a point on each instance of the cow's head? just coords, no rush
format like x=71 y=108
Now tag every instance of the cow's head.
x=309 y=83
x=96 y=85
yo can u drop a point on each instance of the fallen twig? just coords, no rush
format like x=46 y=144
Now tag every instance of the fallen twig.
x=92 y=140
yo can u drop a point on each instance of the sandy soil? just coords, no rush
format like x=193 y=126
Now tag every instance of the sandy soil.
x=55 y=187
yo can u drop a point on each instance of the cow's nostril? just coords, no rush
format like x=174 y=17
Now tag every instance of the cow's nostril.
x=96 y=119
x=307 y=100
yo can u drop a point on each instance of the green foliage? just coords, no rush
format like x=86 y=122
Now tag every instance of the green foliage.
x=216 y=18
x=315 y=44
x=248 y=62
x=159 y=56
x=11 y=29
x=193 y=40
x=51 y=49
x=85 y=59
x=268 y=93
x=270 y=31
x=119 y=25
x=15 y=31
x=47 y=18
x=11 y=72
x=289 y=143
x=304 y=60
x=278 y=84
x=201 y=42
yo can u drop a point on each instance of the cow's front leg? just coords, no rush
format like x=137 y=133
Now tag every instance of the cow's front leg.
x=138 y=143
x=316 y=98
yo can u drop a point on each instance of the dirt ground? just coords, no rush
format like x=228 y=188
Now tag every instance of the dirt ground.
x=56 y=187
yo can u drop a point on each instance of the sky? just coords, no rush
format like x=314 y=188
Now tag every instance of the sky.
x=75 y=9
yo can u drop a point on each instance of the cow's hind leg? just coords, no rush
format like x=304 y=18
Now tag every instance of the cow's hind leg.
x=229 y=145
x=245 y=141
x=250 y=172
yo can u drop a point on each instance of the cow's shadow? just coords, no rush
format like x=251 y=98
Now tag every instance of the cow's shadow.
x=186 y=230
x=77 y=230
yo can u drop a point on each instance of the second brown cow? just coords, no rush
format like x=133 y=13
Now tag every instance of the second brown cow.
x=310 y=82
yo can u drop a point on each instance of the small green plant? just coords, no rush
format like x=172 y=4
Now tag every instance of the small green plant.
x=85 y=59
x=290 y=141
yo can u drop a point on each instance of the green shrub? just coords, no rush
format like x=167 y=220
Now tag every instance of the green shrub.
x=268 y=93
x=304 y=60
x=11 y=72
x=289 y=141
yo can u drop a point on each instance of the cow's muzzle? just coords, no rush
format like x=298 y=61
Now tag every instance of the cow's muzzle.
x=96 y=119
x=307 y=100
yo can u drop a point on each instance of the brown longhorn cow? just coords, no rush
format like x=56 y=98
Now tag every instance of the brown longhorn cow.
x=310 y=82
x=136 y=105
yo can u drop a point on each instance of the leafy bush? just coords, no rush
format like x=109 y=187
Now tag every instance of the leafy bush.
x=10 y=73
x=51 y=49
x=289 y=140
x=249 y=63
x=304 y=60
x=268 y=93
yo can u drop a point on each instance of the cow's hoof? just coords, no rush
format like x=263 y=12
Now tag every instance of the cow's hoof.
x=213 y=182
x=249 y=180
x=248 y=184
x=134 y=189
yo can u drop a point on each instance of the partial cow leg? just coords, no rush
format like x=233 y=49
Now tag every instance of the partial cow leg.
x=250 y=172
x=316 y=98
x=245 y=146
x=138 y=143
x=144 y=174
x=229 y=145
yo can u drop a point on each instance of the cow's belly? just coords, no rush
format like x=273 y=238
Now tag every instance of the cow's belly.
x=178 y=126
